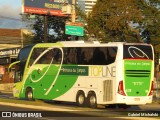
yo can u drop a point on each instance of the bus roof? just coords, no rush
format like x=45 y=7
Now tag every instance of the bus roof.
x=85 y=44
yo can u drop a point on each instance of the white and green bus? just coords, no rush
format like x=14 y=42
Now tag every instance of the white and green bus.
x=88 y=73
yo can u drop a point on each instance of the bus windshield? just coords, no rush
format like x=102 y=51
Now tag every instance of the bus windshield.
x=137 y=52
x=23 y=54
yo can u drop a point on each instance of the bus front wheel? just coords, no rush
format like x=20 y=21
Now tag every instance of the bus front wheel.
x=80 y=99
x=29 y=94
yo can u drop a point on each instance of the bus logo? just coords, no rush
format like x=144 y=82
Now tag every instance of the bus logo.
x=137 y=53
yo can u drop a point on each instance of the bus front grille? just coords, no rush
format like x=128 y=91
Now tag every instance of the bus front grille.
x=108 y=90
x=137 y=73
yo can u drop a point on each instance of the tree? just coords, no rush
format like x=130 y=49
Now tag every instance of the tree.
x=114 y=19
x=38 y=28
x=56 y=28
x=151 y=20
x=57 y=25
x=27 y=39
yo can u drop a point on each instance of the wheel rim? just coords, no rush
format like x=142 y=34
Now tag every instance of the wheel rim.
x=81 y=99
x=92 y=100
x=29 y=95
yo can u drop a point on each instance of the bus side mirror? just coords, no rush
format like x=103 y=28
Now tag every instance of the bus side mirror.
x=12 y=66
x=9 y=69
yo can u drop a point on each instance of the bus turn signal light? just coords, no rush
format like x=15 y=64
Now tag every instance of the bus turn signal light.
x=121 y=89
x=151 y=91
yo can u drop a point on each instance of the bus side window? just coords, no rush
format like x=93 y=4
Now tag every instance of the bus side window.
x=99 y=57
x=70 y=56
x=65 y=51
x=46 y=58
x=34 y=56
x=79 y=55
x=57 y=56
x=53 y=56
x=16 y=72
x=112 y=52
x=87 y=56
x=104 y=55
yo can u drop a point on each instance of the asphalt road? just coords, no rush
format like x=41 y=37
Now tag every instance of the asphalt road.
x=10 y=112
x=16 y=113
x=152 y=107
x=62 y=111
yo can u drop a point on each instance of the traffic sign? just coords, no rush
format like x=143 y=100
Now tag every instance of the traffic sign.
x=74 y=29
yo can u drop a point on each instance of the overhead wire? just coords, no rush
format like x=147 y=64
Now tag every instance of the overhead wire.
x=9 y=18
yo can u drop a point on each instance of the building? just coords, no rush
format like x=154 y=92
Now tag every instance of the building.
x=11 y=41
x=86 y=5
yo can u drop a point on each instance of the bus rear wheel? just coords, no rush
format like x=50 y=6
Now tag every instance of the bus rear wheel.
x=80 y=99
x=92 y=100
x=29 y=94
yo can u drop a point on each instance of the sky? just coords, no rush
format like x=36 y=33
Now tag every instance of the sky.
x=10 y=14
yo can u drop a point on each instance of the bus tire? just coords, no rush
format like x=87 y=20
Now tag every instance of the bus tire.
x=92 y=100
x=80 y=99
x=29 y=94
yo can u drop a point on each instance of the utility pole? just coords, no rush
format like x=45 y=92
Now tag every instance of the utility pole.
x=73 y=11
x=45 y=29
x=73 y=15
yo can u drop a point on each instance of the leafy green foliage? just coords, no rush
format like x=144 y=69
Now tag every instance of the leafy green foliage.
x=27 y=39
x=113 y=20
x=55 y=29
x=57 y=25
x=39 y=29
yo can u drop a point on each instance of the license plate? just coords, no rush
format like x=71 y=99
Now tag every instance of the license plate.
x=136 y=99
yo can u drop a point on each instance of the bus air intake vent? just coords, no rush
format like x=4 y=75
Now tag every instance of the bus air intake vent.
x=137 y=73
x=108 y=90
